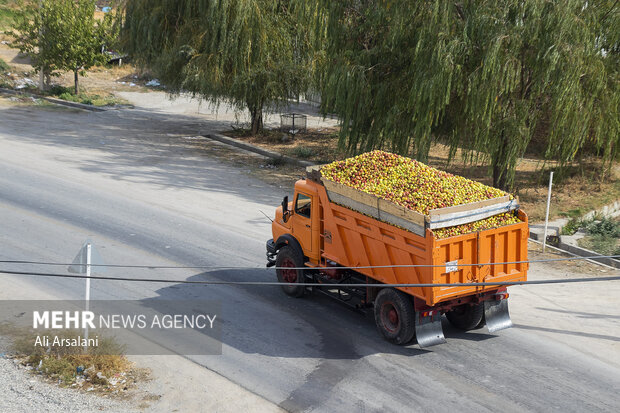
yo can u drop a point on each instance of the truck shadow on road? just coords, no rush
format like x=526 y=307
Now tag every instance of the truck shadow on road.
x=263 y=320
x=568 y=332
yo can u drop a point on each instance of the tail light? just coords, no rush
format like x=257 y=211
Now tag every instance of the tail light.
x=428 y=313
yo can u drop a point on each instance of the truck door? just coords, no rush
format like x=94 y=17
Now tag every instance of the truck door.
x=302 y=222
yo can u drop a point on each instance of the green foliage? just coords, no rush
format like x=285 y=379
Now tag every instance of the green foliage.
x=597 y=226
x=604 y=227
x=7 y=13
x=481 y=75
x=248 y=52
x=61 y=35
x=571 y=226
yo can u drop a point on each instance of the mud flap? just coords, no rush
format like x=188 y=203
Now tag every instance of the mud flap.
x=496 y=315
x=428 y=330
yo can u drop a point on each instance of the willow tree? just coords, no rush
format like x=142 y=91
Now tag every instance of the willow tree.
x=247 y=52
x=480 y=75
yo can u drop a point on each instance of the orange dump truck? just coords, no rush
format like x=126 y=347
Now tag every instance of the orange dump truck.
x=329 y=227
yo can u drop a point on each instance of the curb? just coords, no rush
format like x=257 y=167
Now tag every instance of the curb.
x=56 y=101
x=252 y=148
x=574 y=250
x=582 y=252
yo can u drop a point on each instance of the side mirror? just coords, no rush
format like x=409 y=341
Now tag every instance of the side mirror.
x=285 y=209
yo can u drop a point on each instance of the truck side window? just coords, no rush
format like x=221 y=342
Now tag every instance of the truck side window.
x=303 y=205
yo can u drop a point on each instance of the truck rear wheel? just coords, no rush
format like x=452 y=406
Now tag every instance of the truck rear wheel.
x=395 y=316
x=287 y=260
x=466 y=317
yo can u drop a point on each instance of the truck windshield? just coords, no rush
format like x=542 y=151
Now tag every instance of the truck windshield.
x=303 y=205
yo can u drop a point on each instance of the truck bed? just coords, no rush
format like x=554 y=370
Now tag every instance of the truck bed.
x=408 y=219
x=354 y=239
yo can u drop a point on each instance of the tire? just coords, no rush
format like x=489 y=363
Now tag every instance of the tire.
x=290 y=257
x=395 y=316
x=466 y=317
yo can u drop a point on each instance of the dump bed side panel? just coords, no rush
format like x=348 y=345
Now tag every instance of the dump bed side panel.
x=352 y=239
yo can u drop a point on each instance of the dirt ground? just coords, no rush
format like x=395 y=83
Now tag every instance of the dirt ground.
x=101 y=80
x=579 y=192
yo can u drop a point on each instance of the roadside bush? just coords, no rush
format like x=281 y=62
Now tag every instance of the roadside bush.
x=605 y=227
x=57 y=90
x=602 y=226
x=603 y=234
x=303 y=152
x=571 y=226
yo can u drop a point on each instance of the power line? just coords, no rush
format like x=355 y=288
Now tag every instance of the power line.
x=209 y=267
x=335 y=285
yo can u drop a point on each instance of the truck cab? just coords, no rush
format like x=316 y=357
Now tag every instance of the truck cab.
x=297 y=223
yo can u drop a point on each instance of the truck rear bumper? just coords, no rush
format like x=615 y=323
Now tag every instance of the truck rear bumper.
x=271 y=253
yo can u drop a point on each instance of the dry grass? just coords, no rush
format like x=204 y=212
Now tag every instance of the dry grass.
x=103 y=368
x=317 y=145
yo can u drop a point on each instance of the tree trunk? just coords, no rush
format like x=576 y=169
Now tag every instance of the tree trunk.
x=75 y=80
x=499 y=177
x=500 y=165
x=257 y=119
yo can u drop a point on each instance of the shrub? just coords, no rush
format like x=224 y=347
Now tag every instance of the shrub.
x=303 y=152
x=604 y=227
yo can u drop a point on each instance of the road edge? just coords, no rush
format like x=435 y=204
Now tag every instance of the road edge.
x=252 y=148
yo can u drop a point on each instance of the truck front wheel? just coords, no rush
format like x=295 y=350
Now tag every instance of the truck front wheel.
x=287 y=260
x=395 y=316
x=466 y=317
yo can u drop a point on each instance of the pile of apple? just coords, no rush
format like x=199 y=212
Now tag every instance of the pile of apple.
x=495 y=221
x=414 y=185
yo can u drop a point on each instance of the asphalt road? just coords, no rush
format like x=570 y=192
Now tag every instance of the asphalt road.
x=126 y=180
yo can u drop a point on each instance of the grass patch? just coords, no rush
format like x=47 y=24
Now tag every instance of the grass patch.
x=302 y=152
x=8 y=11
x=102 y=368
x=603 y=244
x=4 y=67
x=86 y=98
x=317 y=145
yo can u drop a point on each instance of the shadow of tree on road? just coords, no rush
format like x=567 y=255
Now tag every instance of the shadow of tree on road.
x=135 y=146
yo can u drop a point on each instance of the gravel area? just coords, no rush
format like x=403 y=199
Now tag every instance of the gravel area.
x=21 y=391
